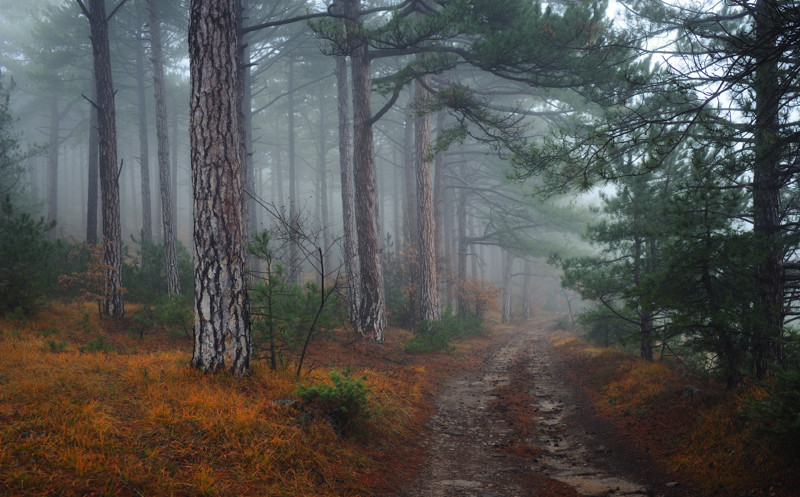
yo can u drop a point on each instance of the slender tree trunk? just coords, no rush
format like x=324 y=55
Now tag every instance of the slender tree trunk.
x=293 y=275
x=410 y=223
x=52 y=167
x=463 y=245
x=438 y=205
x=162 y=135
x=174 y=171
x=246 y=141
x=767 y=338
x=372 y=313
x=527 y=312
x=93 y=175
x=144 y=146
x=222 y=312
x=508 y=265
x=429 y=305
x=322 y=174
x=113 y=304
x=349 y=253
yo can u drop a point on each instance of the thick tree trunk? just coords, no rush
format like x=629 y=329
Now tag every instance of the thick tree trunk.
x=372 y=313
x=508 y=264
x=222 y=318
x=767 y=337
x=52 y=167
x=93 y=175
x=162 y=135
x=349 y=253
x=144 y=146
x=427 y=281
x=113 y=304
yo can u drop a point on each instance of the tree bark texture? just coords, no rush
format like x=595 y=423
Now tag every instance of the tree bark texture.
x=144 y=147
x=246 y=143
x=162 y=136
x=372 y=312
x=113 y=304
x=768 y=333
x=222 y=320
x=429 y=306
x=93 y=174
x=410 y=218
x=349 y=253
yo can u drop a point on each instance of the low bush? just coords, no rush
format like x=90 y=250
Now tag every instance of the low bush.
x=99 y=344
x=345 y=401
x=175 y=315
x=435 y=336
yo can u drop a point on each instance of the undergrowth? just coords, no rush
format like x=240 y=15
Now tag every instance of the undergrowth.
x=722 y=442
x=87 y=408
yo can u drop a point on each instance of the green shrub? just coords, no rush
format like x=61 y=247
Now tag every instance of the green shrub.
x=286 y=317
x=345 y=402
x=56 y=345
x=24 y=256
x=145 y=276
x=99 y=344
x=778 y=417
x=435 y=336
x=175 y=315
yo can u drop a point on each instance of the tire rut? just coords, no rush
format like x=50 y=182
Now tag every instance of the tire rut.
x=514 y=427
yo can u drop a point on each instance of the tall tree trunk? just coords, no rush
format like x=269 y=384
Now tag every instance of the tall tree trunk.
x=410 y=218
x=438 y=205
x=508 y=265
x=246 y=139
x=144 y=146
x=767 y=338
x=527 y=311
x=372 y=313
x=463 y=245
x=429 y=306
x=162 y=134
x=349 y=253
x=322 y=174
x=293 y=275
x=52 y=166
x=113 y=304
x=173 y=195
x=93 y=175
x=222 y=311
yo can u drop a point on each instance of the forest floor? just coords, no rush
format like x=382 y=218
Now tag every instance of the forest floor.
x=95 y=407
x=545 y=414
x=518 y=426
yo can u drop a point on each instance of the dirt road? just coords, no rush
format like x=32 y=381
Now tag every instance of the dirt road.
x=516 y=427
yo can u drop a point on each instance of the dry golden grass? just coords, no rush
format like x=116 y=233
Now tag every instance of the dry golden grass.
x=704 y=439
x=139 y=421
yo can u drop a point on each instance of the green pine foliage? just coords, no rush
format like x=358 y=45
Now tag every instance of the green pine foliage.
x=24 y=259
x=345 y=401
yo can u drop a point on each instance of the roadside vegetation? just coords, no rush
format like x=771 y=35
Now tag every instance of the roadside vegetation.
x=718 y=441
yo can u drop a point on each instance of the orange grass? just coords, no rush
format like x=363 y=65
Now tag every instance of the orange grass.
x=704 y=439
x=139 y=421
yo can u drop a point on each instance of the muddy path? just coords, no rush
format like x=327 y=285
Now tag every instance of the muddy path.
x=515 y=427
